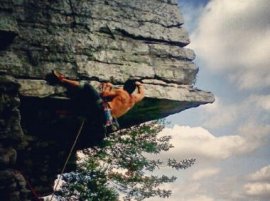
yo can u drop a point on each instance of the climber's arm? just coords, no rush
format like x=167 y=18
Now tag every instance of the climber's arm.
x=140 y=94
x=73 y=83
x=107 y=90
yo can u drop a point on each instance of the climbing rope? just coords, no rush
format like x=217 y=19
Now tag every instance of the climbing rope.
x=70 y=152
x=33 y=191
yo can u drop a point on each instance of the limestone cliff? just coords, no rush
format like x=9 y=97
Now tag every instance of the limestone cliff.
x=95 y=41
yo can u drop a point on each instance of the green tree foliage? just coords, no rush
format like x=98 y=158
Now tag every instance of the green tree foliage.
x=120 y=165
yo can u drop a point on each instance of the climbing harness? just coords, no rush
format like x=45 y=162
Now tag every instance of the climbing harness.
x=70 y=152
x=108 y=114
x=111 y=123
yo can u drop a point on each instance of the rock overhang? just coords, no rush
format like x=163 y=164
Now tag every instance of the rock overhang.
x=161 y=99
x=99 y=41
x=103 y=41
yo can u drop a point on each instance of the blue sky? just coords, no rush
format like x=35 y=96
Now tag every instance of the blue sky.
x=230 y=138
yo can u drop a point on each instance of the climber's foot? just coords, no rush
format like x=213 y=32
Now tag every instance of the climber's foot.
x=58 y=75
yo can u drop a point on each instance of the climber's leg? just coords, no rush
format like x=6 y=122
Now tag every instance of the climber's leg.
x=95 y=108
x=88 y=100
x=91 y=94
x=88 y=92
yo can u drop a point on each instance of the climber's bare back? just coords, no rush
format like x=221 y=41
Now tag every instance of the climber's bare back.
x=121 y=102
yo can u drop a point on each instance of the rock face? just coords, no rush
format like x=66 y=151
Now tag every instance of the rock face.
x=95 y=41
x=12 y=185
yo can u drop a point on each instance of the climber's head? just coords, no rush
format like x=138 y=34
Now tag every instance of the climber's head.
x=130 y=86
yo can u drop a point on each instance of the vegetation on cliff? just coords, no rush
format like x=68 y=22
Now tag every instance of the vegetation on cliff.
x=123 y=166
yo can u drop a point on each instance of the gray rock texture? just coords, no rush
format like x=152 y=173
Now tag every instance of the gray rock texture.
x=98 y=40
x=12 y=183
x=103 y=41
x=90 y=40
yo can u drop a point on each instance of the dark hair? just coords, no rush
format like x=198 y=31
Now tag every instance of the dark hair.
x=130 y=86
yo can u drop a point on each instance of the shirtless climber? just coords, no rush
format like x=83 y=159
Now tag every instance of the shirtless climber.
x=122 y=99
x=118 y=100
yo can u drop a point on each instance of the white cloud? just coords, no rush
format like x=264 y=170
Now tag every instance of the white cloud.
x=247 y=117
x=200 y=198
x=263 y=101
x=205 y=173
x=255 y=134
x=219 y=114
x=261 y=175
x=198 y=142
x=196 y=183
x=258 y=189
x=234 y=37
x=259 y=183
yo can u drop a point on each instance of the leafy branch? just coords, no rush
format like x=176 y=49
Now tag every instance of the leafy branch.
x=120 y=166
